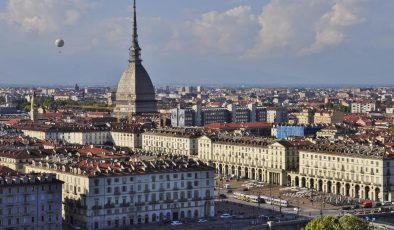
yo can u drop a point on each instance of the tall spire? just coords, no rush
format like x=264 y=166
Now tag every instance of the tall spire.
x=135 y=50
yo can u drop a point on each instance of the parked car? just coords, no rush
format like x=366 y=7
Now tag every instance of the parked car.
x=164 y=222
x=176 y=222
x=202 y=220
x=297 y=209
x=272 y=218
x=226 y=216
x=263 y=217
x=366 y=204
x=356 y=206
x=222 y=196
x=246 y=189
x=229 y=191
x=386 y=203
x=346 y=208
x=378 y=204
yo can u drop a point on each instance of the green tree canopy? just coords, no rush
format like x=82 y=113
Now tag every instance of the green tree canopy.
x=347 y=222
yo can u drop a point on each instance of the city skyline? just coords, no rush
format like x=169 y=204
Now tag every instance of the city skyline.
x=332 y=43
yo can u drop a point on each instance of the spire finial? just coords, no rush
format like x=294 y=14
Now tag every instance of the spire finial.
x=135 y=50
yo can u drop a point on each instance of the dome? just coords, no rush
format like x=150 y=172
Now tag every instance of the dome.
x=135 y=92
x=135 y=83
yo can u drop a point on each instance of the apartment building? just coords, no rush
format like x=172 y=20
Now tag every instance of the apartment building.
x=126 y=136
x=30 y=201
x=328 y=117
x=260 y=159
x=181 y=141
x=277 y=115
x=109 y=195
x=198 y=116
x=15 y=159
x=346 y=169
x=362 y=107
x=305 y=117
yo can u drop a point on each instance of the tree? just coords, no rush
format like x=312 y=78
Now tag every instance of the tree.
x=347 y=222
x=325 y=223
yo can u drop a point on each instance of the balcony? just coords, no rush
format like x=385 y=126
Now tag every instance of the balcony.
x=146 y=191
x=97 y=207
x=189 y=186
x=196 y=199
x=182 y=200
x=168 y=201
x=153 y=202
x=139 y=204
x=117 y=193
x=176 y=188
x=132 y=192
x=124 y=205
x=109 y=205
x=208 y=198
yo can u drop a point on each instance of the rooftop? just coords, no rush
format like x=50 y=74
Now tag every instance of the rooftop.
x=133 y=166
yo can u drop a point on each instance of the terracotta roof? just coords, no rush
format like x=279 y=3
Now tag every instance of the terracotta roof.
x=239 y=125
x=5 y=170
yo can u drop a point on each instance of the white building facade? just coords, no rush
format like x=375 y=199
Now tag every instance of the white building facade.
x=119 y=195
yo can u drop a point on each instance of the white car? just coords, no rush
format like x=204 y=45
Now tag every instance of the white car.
x=225 y=216
x=202 y=220
x=176 y=222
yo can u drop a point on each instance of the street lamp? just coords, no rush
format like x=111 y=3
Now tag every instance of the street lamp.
x=312 y=196
x=272 y=206
x=298 y=207
x=280 y=203
x=321 y=205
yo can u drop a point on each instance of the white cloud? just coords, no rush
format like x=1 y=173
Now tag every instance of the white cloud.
x=230 y=31
x=72 y=17
x=331 y=28
x=44 y=15
x=284 y=27
x=281 y=28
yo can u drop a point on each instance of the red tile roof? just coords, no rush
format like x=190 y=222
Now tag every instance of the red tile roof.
x=239 y=125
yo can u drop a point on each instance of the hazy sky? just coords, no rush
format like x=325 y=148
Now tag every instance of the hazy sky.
x=260 y=42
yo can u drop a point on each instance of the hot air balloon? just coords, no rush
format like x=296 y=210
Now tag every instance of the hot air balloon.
x=59 y=43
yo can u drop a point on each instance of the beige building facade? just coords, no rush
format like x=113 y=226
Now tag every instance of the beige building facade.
x=119 y=137
x=175 y=141
x=257 y=159
x=344 y=172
